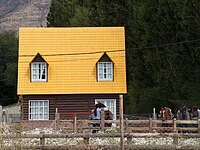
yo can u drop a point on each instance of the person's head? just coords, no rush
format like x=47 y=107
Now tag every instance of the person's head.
x=96 y=105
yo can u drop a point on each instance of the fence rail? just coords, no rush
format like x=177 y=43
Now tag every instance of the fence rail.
x=86 y=138
x=107 y=147
x=150 y=125
x=133 y=129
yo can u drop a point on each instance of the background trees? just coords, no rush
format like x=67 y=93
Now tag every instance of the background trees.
x=8 y=68
x=165 y=54
x=162 y=44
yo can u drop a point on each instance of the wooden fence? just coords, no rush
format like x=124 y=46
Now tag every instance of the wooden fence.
x=86 y=144
x=82 y=128
x=175 y=129
x=141 y=126
x=77 y=125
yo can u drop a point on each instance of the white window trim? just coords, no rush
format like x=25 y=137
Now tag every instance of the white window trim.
x=115 y=113
x=105 y=79
x=38 y=80
x=43 y=109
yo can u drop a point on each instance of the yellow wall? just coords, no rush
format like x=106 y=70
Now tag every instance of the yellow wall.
x=71 y=74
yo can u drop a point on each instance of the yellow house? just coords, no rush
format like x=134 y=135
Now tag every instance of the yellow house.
x=70 y=69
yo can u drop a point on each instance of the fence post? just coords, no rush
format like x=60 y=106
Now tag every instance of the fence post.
x=10 y=121
x=126 y=125
x=75 y=124
x=86 y=140
x=42 y=140
x=56 y=118
x=174 y=125
x=102 y=119
x=121 y=118
x=129 y=139
x=150 y=124
x=154 y=117
x=4 y=117
x=175 y=140
x=1 y=115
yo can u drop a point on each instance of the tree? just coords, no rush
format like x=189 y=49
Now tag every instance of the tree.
x=60 y=13
x=162 y=44
x=162 y=74
x=8 y=68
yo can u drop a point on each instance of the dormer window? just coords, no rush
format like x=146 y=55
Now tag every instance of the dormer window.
x=105 y=68
x=105 y=71
x=39 y=69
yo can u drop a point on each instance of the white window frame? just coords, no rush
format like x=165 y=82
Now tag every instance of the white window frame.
x=105 y=102
x=103 y=73
x=40 y=70
x=37 y=108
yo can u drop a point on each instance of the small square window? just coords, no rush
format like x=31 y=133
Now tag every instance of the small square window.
x=38 y=110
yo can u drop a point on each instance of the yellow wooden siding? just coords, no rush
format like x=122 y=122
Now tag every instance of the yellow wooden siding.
x=69 y=73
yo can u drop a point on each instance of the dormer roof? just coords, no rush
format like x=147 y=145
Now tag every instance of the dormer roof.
x=105 y=58
x=38 y=58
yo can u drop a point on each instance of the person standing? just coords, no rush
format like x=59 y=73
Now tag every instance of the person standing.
x=97 y=116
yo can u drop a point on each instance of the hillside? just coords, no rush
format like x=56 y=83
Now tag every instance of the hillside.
x=23 y=13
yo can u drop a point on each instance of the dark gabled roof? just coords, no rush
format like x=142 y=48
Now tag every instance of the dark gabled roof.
x=38 y=58
x=105 y=58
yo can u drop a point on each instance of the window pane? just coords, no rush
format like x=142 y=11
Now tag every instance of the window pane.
x=41 y=103
x=41 y=110
x=108 y=103
x=36 y=110
x=104 y=71
x=45 y=116
x=100 y=70
x=43 y=74
x=46 y=103
x=100 y=76
x=34 y=76
x=34 y=66
x=45 y=110
x=32 y=110
x=109 y=70
x=34 y=71
x=100 y=65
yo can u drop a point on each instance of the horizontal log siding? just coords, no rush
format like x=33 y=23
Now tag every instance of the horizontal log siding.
x=67 y=103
